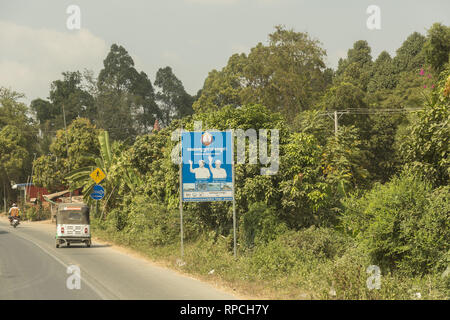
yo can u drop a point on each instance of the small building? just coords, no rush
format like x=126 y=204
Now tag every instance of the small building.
x=30 y=192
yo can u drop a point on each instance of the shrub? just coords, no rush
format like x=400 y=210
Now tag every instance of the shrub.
x=324 y=243
x=403 y=224
x=31 y=213
x=274 y=260
x=151 y=223
x=260 y=225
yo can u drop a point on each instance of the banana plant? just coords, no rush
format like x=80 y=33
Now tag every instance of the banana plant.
x=113 y=167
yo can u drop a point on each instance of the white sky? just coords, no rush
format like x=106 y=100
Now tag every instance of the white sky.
x=191 y=36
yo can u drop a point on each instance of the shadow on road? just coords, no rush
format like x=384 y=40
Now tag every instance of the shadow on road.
x=3 y=232
x=93 y=246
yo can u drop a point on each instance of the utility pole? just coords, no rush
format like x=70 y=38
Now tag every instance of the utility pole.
x=335 y=115
x=67 y=146
x=4 y=195
x=335 y=123
x=30 y=180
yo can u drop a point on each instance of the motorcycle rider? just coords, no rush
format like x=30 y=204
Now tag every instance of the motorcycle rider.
x=13 y=212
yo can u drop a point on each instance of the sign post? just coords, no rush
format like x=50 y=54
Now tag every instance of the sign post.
x=234 y=198
x=181 y=202
x=207 y=170
x=98 y=192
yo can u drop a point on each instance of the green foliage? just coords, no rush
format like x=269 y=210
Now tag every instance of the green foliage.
x=31 y=214
x=287 y=76
x=425 y=147
x=410 y=56
x=175 y=102
x=384 y=76
x=323 y=243
x=82 y=145
x=126 y=100
x=298 y=252
x=151 y=223
x=120 y=179
x=69 y=94
x=314 y=123
x=289 y=228
x=260 y=225
x=273 y=259
x=18 y=140
x=357 y=67
x=13 y=152
x=342 y=96
x=437 y=46
x=403 y=225
x=305 y=196
x=345 y=161
x=48 y=173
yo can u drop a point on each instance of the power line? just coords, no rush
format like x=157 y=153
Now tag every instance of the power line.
x=337 y=114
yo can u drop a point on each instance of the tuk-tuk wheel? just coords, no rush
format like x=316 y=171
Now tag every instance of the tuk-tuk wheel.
x=68 y=244
x=88 y=244
x=57 y=245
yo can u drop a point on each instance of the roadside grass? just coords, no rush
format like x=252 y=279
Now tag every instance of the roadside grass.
x=281 y=269
x=270 y=272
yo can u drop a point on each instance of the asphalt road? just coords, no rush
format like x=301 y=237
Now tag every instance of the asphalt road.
x=32 y=268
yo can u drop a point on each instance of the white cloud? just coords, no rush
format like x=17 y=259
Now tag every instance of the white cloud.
x=31 y=59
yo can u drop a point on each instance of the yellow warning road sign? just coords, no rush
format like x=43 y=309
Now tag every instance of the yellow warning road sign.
x=97 y=175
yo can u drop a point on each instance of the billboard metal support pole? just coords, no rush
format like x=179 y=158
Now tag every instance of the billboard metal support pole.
x=234 y=194
x=181 y=197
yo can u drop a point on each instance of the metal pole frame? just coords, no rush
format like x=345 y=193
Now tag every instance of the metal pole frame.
x=181 y=194
x=234 y=195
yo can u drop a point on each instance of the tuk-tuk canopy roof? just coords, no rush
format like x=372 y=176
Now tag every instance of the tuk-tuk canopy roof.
x=72 y=213
x=71 y=206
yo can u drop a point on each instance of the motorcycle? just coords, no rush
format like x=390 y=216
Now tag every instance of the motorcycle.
x=14 y=221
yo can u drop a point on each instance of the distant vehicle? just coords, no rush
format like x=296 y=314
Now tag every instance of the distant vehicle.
x=73 y=224
x=14 y=221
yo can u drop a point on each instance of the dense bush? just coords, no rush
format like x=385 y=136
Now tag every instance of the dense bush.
x=325 y=243
x=274 y=259
x=31 y=213
x=260 y=225
x=298 y=251
x=403 y=224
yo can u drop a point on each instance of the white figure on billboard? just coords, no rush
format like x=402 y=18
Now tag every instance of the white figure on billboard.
x=217 y=172
x=201 y=172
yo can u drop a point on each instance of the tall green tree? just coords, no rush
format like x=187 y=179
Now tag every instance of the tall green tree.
x=357 y=67
x=410 y=56
x=287 y=75
x=425 y=144
x=71 y=95
x=174 y=101
x=437 y=46
x=384 y=76
x=81 y=146
x=126 y=102
x=18 y=140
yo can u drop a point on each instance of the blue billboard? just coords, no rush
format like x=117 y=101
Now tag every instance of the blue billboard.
x=207 y=168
